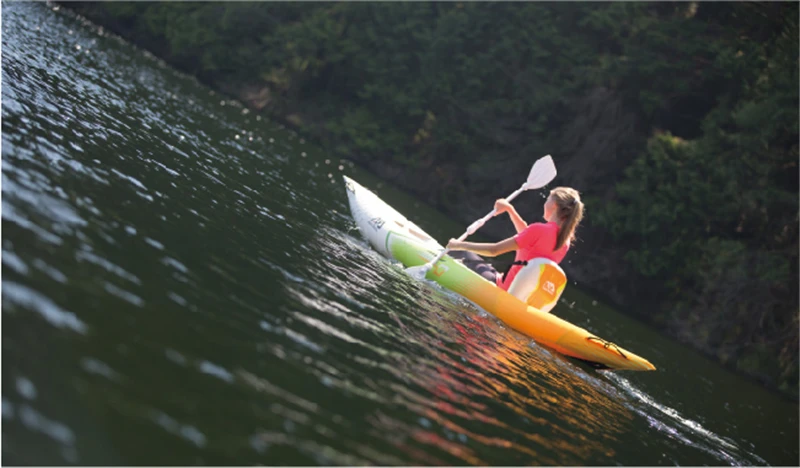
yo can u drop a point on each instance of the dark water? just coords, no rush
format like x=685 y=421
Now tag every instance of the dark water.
x=182 y=284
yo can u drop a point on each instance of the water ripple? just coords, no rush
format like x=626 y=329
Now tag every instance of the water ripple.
x=17 y=295
x=224 y=309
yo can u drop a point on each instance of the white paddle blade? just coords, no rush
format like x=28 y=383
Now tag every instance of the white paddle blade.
x=542 y=173
x=418 y=272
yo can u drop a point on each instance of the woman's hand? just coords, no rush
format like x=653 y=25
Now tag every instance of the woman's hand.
x=454 y=244
x=501 y=206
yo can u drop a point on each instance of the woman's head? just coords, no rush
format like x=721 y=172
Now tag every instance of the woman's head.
x=564 y=207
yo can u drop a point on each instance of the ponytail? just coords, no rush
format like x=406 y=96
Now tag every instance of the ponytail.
x=569 y=211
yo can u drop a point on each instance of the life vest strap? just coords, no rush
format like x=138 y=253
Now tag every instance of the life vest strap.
x=508 y=268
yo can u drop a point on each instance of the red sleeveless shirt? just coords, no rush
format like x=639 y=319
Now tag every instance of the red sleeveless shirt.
x=535 y=241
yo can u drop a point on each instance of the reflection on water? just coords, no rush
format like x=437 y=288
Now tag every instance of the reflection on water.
x=538 y=406
x=183 y=276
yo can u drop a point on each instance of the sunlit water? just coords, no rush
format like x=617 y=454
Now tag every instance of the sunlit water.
x=182 y=284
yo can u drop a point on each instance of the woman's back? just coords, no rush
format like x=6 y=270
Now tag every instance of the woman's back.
x=538 y=240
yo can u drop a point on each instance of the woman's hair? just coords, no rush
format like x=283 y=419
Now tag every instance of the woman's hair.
x=569 y=210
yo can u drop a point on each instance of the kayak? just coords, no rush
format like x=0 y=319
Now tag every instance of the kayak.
x=395 y=237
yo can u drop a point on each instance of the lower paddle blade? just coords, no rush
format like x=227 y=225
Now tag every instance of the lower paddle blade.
x=418 y=272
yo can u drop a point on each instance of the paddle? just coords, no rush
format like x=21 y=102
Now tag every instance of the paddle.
x=542 y=172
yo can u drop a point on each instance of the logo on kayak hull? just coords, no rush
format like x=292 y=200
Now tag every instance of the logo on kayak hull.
x=377 y=223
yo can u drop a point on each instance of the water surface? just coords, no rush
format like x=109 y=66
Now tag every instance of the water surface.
x=182 y=284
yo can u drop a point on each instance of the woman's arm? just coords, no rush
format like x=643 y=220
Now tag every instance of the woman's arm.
x=485 y=249
x=503 y=206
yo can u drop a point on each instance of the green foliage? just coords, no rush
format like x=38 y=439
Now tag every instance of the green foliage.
x=715 y=218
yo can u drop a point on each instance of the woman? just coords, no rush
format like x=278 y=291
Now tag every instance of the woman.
x=563 y=211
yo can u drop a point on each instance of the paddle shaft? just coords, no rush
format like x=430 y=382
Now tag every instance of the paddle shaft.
x=477 y=224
